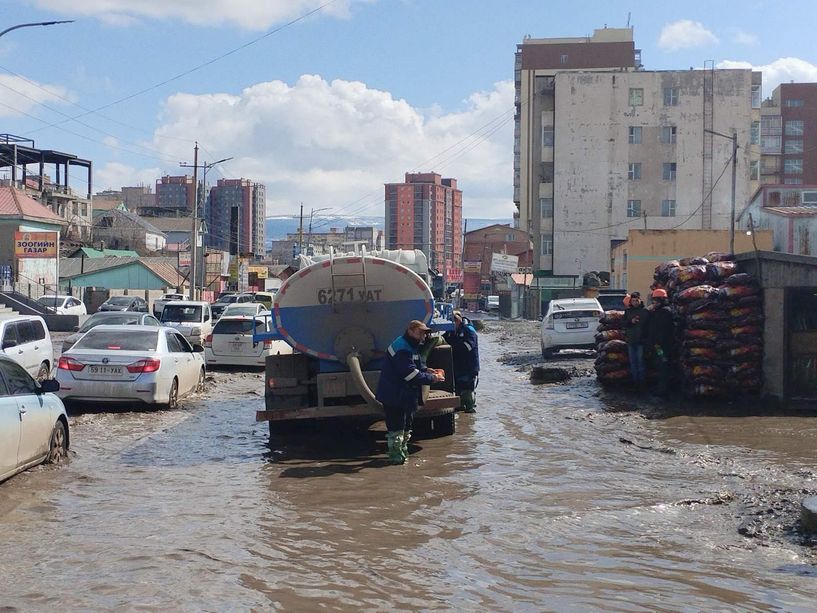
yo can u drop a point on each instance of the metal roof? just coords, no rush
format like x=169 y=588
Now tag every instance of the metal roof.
x=792 y=211
x=164 y=268
x=14 y=203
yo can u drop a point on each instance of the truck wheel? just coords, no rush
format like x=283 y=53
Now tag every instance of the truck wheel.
x=288 y=426
x=435 y=427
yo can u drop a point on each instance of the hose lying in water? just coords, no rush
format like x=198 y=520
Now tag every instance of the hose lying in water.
x=353 y=362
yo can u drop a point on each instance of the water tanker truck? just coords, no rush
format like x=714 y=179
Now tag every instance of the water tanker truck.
x=340 y=314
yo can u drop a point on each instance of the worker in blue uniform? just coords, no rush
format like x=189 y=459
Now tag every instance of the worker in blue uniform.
x=465 y=350
x=400 y=387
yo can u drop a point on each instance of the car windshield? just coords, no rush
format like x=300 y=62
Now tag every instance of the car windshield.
x=172 y=297
x=120 y=300
x=242 y=310
x=227 y=299
x=182 y=313
x=117 y=340
x=110 y=320
x=612 y=302
x=51 y=301
x=237 y=326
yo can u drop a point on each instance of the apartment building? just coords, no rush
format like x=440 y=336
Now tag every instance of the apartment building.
x=788 y=135
x=235 y=214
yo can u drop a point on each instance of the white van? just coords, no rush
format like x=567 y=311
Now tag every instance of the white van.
x=26 y=340
x=190 y=317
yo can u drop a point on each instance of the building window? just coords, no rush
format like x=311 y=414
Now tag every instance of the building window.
x=634 y=208
x=635 y=135
x=793 y=102
x=754 y=170
x=756 y=94
x=546 y=207
x=636 y=96
x=563 y=58
x=547 y=136
x=794 y=127
x=671 y=96
x=668 y=134
x=793 y=166
x=792 y=181
x=547 y=246
x=670 y=169
x=793 y=146
x=755 y=133
x=634 y=172
x=770 y=144
x=809 y=197
x=668 y=208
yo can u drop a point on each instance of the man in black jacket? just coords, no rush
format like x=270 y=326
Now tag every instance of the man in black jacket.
x=635 y=322
x=661 y=337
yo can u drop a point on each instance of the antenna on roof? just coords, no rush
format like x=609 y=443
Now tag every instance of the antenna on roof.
x=628 y=18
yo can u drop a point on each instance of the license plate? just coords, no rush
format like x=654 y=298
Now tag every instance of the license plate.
x=105 y=370
x=576 y=325
x=236 y=346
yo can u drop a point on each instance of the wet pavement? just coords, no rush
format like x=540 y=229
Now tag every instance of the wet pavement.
x=551 y=497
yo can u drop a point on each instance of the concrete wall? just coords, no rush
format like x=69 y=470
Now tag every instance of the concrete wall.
x=634 y=262
x=592 y=156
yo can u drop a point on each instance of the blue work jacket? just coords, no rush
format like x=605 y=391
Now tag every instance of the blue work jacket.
x=402 y=375
x=465 y=350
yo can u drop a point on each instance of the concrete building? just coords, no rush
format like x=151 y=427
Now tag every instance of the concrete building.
x=138 y=197
x=235 y=215
x=789 y=285
x=175 y=197
x=605 y=146
x=788 y=135
x=789 y=212
x=634 y=261
x=425 y=213
x=125 y=230
x=478 y=282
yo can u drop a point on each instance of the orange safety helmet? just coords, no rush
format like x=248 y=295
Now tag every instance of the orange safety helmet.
x=627 y=301
x=659 y=293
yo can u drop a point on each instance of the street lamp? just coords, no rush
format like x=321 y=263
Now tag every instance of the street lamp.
x=31 y=25
x=734 y=139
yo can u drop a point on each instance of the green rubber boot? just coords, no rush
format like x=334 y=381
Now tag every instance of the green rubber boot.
x=468 y=400
x=395 y=446
x=404 y=446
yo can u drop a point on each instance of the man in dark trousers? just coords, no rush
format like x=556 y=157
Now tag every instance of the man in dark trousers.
x=661 y=337
x=635 y=323
x=465 y=350
x=400 y=387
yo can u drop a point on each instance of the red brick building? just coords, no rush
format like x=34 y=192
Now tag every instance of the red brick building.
x=425 y=212
x=788 y=135
x=480 y=244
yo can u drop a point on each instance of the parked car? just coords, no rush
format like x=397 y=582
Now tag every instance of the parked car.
x=612 y=299
x=231 y=343
x=63 y=305
x=492 y=303
x=266 y=298
x=245 y=308
x=226 y=299
x=131 y=364
x=110 y=318
x=159 y=304
x=26 y=340
x=125 y=303
x=190 y=317
x=33 y=424
x=570 y=323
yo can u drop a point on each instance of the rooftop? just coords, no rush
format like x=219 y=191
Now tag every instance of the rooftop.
x=14 y=203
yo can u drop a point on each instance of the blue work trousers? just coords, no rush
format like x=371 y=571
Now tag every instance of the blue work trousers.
x=637 y=368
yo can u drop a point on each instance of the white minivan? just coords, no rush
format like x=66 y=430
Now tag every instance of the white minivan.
x=25 y=339
x=192 y=318
x=570 y=323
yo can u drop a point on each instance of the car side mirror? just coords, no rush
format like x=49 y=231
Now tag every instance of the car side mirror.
x=9 y=344
x=197 y=348
x=49 y=386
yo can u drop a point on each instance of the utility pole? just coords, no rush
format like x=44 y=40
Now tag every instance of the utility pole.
x=734 y=182
x=194 y=236
x=301 y=231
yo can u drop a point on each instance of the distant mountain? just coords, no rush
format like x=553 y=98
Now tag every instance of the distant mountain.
x=279 y=227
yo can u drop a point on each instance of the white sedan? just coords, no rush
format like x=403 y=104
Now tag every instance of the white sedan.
x=63 y=305
x=247 y=309
x=131 y=364
x=231 y=343
x=33 y=424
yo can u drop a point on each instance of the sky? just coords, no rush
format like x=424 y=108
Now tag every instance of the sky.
x=324 y=101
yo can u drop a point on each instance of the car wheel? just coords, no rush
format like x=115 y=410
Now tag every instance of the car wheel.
x=43 y=373
x=58 y=446
x=173 y=396
x=548 y=353
x=202 y=379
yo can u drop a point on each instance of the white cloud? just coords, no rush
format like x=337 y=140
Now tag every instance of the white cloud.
x=685 y=34
x=115 y=175
x=19 y=96
x=249 y=14
x=779 y=71
x=330 y=144
x=740 y=37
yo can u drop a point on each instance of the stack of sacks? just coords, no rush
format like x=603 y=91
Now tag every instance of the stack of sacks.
x=613 y=362
x=720 y=317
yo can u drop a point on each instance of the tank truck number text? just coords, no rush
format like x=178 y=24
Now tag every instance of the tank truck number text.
x=350 y=294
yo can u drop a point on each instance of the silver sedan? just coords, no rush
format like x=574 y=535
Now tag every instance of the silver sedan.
x=33 y=424
x=131 y=364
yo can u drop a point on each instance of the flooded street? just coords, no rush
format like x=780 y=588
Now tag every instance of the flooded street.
x=551 y=497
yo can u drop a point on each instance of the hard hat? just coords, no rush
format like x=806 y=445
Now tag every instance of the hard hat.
x=659 y=293
x=627 y=300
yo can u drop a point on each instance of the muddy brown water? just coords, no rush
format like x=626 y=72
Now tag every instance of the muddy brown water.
x=535 y=504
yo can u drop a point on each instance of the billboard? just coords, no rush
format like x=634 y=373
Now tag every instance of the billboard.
x=472 y=266
x=502 y=262
x=36 y=244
